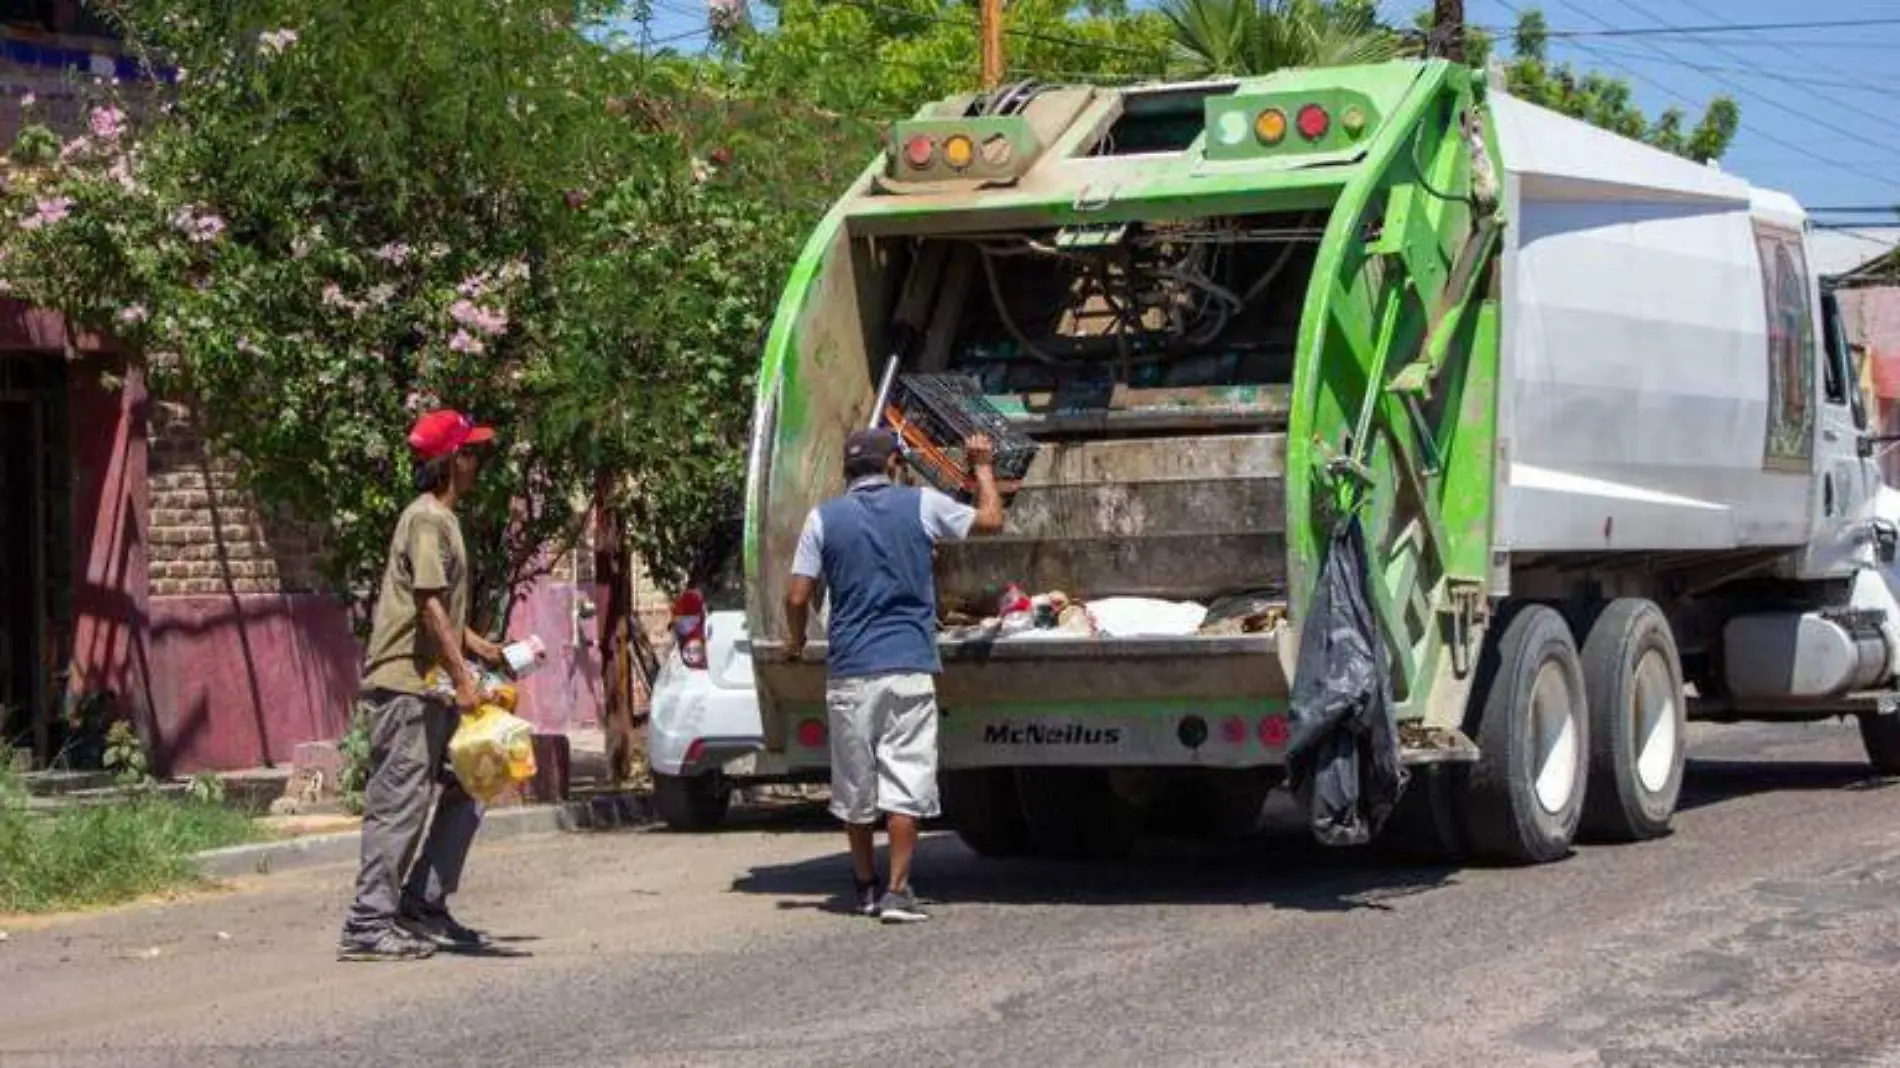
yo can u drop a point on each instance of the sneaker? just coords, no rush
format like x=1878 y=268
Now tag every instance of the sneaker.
x=436 y=927
x=387 y=946
x=900 y=906
x=867 y=896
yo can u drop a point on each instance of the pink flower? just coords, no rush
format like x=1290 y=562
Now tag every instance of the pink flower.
x=48 y=212
x=333 y=295
x=486 y=320
x=275 y=42
x=474 y=286
x=133 y=314
x=121 y=172
x=107 y=123
x=514 y=271
x=395 y=253
x=78 y=146
x=199 y=228
x=380 y=295
x=28 y=100
x=209 y=227
x=464 y=342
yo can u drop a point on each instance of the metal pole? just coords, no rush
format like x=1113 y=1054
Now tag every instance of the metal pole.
x=991 y=31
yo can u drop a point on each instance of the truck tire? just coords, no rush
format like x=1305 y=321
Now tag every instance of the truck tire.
x=1075 y=814
x=982 y=806
x=1425 y=827
x=1638 y=723
x=692 y=802
x=1881 y=736
x=1210 y=804
x=1524 y=797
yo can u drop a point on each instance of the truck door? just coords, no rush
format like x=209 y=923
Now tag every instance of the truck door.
x=1845 y=480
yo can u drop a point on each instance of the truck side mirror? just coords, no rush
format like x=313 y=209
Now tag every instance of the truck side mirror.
x=1886 y=541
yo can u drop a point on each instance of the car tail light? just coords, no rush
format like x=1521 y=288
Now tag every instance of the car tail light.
x=689 y=628
x=1313 y=122
x=811 y=733
x=694 y=752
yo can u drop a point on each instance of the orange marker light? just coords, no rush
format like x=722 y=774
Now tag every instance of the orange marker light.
x=1270 y=126
x=958 y=152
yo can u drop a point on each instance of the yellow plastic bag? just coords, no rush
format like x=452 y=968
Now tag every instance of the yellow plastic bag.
x=492 y=750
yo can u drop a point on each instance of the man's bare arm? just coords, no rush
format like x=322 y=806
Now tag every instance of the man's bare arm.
x=483 y=649
x=435 y=620
x=989 y=500
x=798 y=597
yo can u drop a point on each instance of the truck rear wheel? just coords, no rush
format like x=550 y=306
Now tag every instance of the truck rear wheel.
x=1638 y=722
x=982 y=805
x=1075 y=813
x=1524 y=796
x=692 y=802
x=1881 y=735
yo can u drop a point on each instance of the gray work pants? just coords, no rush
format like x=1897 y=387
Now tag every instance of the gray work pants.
x=409 y=742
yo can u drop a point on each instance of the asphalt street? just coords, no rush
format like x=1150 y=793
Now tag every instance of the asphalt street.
x=1766 y=931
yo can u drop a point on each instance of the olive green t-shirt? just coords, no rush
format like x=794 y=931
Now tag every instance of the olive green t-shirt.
x=425 y=554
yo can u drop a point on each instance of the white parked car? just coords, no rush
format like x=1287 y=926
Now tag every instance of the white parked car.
x=705 y=735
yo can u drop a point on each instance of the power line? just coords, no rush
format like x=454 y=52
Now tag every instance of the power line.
x=1720 y=27
x=1859 y=209
x=1805 y=117
x=1785 y=77
x=1837 y=101
x=1678 y=97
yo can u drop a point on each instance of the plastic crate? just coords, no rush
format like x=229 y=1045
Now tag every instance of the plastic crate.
x=936 y=413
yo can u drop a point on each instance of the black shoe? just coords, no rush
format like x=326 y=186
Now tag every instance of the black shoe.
x=391 y=945
x=867 y=895
x=436 y=926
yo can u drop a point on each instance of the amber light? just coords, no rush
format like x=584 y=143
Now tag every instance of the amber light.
x=1314 y=122
x=958 y=152
x=919 y=150
x=1270 y=126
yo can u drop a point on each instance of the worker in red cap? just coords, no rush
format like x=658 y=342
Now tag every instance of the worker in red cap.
x=420 y=636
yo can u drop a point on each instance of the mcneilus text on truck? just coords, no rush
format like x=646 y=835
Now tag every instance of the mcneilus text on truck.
x=1520 y=444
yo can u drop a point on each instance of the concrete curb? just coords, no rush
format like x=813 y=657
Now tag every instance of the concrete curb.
x=262 y=858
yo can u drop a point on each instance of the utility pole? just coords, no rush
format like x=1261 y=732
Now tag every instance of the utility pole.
x=1448 y=29
x=990 y=28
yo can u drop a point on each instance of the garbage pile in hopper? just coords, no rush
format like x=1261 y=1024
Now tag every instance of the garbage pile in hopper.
x=1056 y=616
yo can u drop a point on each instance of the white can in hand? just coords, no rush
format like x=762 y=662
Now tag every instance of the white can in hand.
x=525 y=657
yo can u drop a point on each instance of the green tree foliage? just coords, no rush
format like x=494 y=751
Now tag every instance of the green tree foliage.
x=881 y=59
x=346 y=212
x=1261 y=36
x=1605 y=101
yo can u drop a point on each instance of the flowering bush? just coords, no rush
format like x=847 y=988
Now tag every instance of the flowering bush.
x=336 y=215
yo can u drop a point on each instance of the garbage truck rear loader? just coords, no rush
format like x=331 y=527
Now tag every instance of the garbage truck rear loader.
x=1584 y=399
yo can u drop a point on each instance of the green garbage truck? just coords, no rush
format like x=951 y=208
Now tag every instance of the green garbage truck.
x=1583 y=402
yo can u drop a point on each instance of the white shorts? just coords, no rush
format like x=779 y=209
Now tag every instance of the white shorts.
x=883 y=746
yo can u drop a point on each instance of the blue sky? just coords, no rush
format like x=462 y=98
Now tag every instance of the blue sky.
x=1831 y=137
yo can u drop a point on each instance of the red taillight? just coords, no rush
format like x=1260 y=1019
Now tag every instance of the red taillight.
x=689 y=628
x=1273 y=732
x=811 y=733
x=1234 y=730
x=694 y=752
x=1313 y=122
x=919 y=150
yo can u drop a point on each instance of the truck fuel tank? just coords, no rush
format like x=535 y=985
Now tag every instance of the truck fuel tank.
x=1797 y=655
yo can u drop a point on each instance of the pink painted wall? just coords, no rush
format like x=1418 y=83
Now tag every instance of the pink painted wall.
x=239 y=681
x=566 y=693
x=110 y=509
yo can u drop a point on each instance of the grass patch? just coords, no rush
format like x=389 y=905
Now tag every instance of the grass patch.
x=105 y=854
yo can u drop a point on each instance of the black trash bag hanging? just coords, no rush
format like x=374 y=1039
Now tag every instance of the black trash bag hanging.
x=1345 y=736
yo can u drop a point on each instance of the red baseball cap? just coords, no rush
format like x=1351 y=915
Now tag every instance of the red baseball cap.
x=440 y=433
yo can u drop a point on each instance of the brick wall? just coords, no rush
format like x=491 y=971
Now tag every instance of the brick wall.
x=208 y=536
